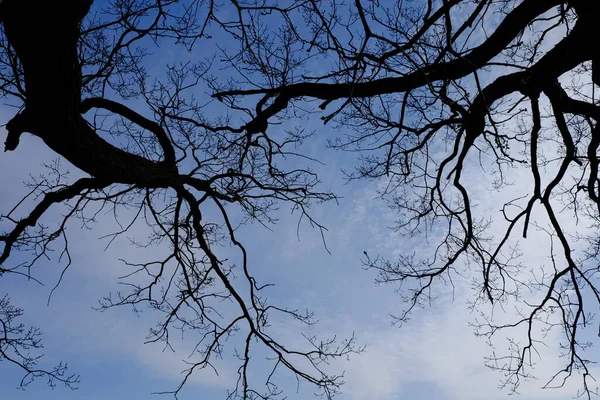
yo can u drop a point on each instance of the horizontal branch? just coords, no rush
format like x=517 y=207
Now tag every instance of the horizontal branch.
x=515 y=22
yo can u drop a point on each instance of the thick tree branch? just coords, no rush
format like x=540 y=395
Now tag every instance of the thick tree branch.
x=124 y=111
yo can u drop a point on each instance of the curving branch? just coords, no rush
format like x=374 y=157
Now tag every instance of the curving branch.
x=126 y=112
x=50 y=199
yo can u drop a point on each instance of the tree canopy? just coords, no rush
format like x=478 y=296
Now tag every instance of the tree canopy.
x=434 y=97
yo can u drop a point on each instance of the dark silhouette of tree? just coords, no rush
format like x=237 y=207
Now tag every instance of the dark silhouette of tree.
x=422 y=89
x=59 y=61
x=419 y=88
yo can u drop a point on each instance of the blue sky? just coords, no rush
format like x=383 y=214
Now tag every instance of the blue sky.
x=435 y=356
